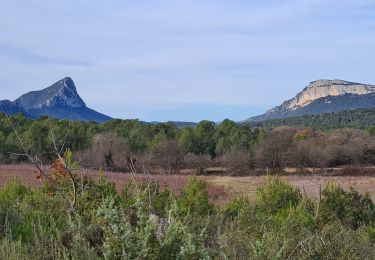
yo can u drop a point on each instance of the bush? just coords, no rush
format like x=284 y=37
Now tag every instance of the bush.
x=276 y=195
x=199 y=163
x=350 y=208
x=146 y=223
x=238 y=162
x=194 y=198
x=233 y=209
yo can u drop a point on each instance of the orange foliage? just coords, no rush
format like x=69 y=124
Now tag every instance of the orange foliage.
x=302 y=134
x=58 y=169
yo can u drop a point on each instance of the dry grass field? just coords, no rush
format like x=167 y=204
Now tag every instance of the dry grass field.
x=220 y=188
x=310 y=185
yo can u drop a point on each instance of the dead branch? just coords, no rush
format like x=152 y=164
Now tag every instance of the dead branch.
x=300 y=244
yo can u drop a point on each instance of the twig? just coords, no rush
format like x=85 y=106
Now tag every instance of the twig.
x=299 y=245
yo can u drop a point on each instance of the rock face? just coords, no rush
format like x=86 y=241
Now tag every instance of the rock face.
x=60 y=101
x=62 y=93
x=324 y=96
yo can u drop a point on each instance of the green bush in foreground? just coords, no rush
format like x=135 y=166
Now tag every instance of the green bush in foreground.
x=145 y=223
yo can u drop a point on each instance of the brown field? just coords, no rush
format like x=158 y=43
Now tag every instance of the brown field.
x=220 y=188
x=310 y=185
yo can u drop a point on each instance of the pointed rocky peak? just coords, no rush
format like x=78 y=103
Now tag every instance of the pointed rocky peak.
x=65 y=83
x=61 y=94
x=68 y=82
x=60 y=101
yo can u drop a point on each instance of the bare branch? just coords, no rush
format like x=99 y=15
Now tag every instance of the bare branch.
x=300 y=244
x=67 y=168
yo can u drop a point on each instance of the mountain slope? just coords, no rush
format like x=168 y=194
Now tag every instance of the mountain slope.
x=69 y=113
x=60 y=101
x=9 y=107
x=323 y=96
x=359 y=118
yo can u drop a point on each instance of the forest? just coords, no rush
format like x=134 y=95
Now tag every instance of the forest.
x=134 y=146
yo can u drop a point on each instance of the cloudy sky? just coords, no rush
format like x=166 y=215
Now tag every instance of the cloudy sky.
x=184 y=59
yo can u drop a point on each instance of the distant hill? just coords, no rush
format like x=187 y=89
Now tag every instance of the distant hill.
x=60 y=101
x=360 y=118
x=178 y=124
x=323 y=96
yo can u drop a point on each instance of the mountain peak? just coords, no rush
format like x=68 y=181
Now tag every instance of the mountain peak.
x=324 y=88
x=61 y=94
x=329 y=94
x=329 y=82
x=68 y=83
x=59 y=100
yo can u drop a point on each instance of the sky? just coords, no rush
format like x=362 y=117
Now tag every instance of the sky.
x=184 y=60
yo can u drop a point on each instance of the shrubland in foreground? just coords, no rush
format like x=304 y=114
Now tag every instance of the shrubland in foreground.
x=145 y=222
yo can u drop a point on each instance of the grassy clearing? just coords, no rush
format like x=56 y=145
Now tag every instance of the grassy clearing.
x=237 y=186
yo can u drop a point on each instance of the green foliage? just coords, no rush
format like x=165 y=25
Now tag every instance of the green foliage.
x=146 y=223
x=194 y=198
x=371 y=130
x=350 y=208
x=370 y=231
x=291 y=232
x=359 y=118
x=163 y=202
x=128 y=236
x=206 y=138
x=277 y=195
x=235 y=207
x=188 y=140
x=204 y=133
x=13 y=250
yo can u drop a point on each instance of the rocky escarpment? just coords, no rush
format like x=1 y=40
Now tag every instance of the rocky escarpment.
x=323 y=96
x=61 y=101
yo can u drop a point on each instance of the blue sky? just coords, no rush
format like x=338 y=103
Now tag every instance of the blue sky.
x=184 y=60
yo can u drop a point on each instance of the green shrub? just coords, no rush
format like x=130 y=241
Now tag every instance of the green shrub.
x=145 y=223
x=235 y=207
x=163 y=201
x=336 y=242
x=370 y=231
x=13 y=250
x=194 y=198
x=276 y=195
x=13 y=193
x=349 y=207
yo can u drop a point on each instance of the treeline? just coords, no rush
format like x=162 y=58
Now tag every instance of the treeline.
x=132 y=137
x=304 y=147
x=360 y=118
x=144 y=222
x=202 y=148
x=130 y=145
